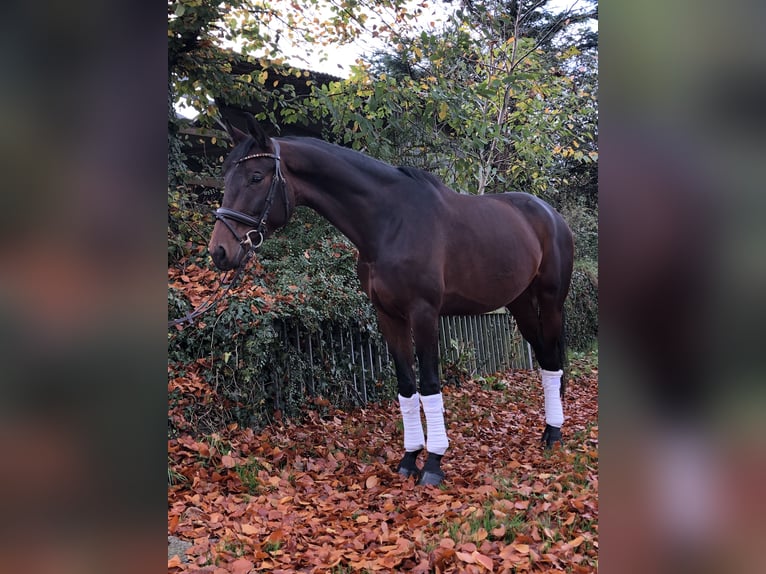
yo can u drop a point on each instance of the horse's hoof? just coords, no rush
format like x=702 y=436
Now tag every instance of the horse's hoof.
x=408 y=466
x=408 y=472
x=551 y=435
x=432 y=478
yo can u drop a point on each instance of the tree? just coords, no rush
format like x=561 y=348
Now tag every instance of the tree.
x=206 y=38
x=490 y=103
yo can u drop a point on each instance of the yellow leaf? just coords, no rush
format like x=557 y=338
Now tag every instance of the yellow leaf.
x=443 y=110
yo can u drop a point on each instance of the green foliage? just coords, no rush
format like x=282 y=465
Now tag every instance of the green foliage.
x=581 y=307
x=256 y=349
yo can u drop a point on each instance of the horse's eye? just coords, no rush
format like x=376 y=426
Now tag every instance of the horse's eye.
x=256 y=178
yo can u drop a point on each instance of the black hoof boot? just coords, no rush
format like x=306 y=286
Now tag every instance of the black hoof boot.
x=432 y=472
x=551 y=435
x=408 y=465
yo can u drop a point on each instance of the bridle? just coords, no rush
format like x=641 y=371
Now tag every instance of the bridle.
x=246 y=242
x=258 y=225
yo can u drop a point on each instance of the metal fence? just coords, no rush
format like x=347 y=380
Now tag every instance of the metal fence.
x=480 y=344
x=483 y=344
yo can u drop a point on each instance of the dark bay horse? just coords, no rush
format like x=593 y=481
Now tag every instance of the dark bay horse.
x=424 y=251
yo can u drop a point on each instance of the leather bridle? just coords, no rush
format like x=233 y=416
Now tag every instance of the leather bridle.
x=246 y=242
x=258 y=225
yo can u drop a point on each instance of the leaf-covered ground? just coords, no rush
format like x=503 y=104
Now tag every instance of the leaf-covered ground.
x=322 y=496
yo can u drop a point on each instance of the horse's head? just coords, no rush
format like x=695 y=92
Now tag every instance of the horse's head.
x=256 y=200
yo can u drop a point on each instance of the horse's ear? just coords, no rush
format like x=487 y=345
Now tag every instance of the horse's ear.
x=236 y=135
x=255 y=130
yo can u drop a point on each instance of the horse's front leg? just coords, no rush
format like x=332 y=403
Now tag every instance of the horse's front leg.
x=425 y=328
x=397 y=333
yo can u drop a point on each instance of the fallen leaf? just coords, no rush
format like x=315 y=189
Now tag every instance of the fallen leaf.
x=576 y=542
x=241 y=566
x=485 y=561
x=227 y=461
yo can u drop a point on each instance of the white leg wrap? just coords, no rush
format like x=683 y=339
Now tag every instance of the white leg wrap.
x=554 y=413
x=413 y=429
x=433 y=407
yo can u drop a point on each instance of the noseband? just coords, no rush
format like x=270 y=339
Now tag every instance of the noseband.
x=258 y=225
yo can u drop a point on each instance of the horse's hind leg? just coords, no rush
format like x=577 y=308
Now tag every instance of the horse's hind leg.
x=539 y=315
x=397 y=333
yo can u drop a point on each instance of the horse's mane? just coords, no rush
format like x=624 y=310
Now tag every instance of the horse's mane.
x=355 y=157
x=423 y=176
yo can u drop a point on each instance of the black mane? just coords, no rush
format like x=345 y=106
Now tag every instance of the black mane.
x=424 y=176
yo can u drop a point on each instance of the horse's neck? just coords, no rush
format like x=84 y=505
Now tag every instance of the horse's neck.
x=351 y=200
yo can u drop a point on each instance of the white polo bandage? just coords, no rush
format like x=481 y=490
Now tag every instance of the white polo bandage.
x=413 y=428
x=554 y=412
x=433 y=407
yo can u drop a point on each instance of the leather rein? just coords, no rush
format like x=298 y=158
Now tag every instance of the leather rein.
x=245 y=242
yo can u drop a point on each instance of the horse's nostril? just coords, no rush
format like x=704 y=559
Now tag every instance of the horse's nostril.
x=219 y=255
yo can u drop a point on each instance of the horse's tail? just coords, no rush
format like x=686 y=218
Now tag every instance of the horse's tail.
x=562 y=352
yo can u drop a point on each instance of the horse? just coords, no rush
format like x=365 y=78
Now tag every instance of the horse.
x=424 y=250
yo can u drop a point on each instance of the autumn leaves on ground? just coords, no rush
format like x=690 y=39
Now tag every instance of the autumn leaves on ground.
x=322 y=495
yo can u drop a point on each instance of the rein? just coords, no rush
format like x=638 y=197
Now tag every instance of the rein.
x=246 y=242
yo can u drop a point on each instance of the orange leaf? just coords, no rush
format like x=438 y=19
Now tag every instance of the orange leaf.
x=447 y=543
x=485 y=561
x=521 y=548
x=275 y=537
x=173 y=523
x=576 y=542
x=499 y=532
x=440 y=556
x=228 y=461
x=241 y=566
x=372 y=481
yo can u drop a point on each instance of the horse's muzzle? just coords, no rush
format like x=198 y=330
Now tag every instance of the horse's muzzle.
x=223 y=260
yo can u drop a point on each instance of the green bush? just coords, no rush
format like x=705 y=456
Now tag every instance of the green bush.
x=581 y=307
x=257 y=362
